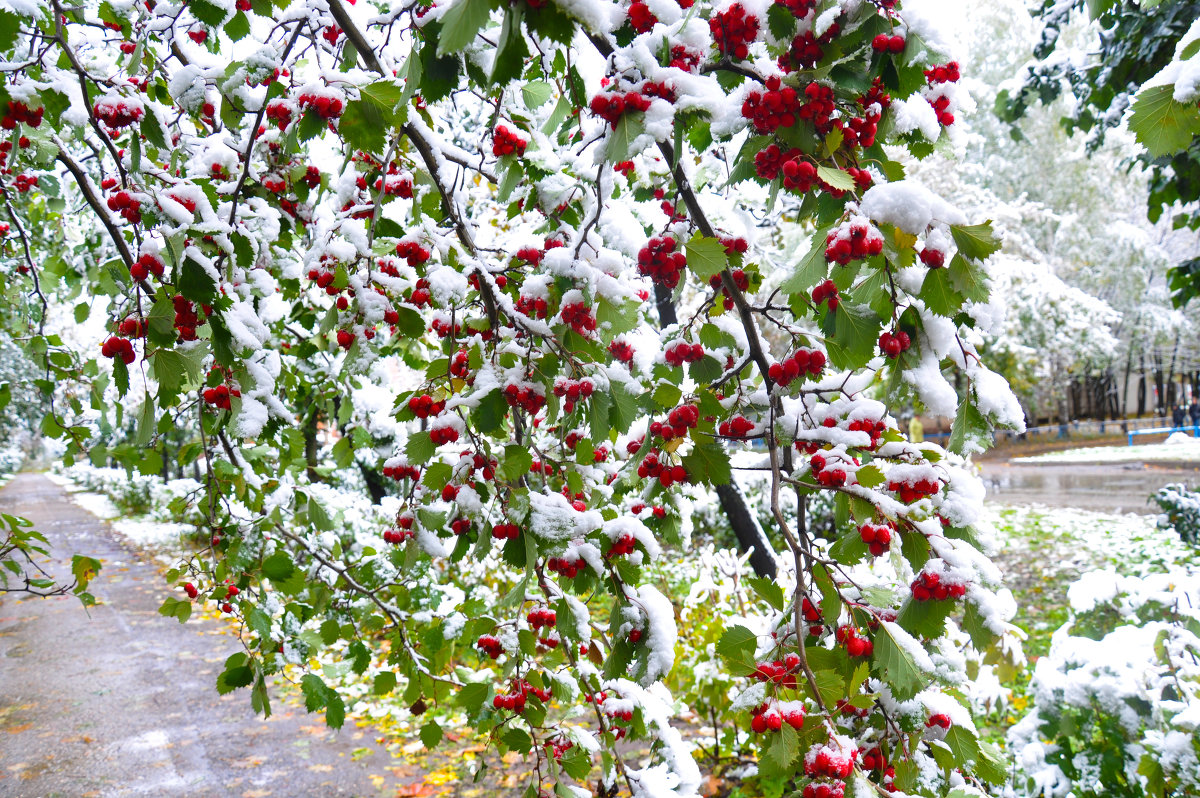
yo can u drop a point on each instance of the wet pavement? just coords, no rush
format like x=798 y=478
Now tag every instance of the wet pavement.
x=123 y=703
x=1115 y=487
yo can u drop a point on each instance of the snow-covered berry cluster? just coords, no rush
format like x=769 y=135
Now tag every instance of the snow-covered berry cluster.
x=660 y=261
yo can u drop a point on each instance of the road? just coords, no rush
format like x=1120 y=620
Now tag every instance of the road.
x=1112 y=487
x=123 y=703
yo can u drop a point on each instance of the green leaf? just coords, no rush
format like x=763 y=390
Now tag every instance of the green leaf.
x=620 y=138
x=869 y=476
x=472 y=695
x=967 y=279
x=460 y=24
x=781 y=22
x=1161 y=124
x=335 y=711
x=510 y=58
x=196 y=284
x=738 y=644
x=431 y=734
x=176 y=608
x=768 y=590
x=385 y=682
x=536 y=93
x=708 y=462
x=971 y=432
x=991 y=766
x=938 y=293
x=210 y=14
x=577 y=763
x=706 y=256
x=624 y=409
x=516 y=463
x=925 y=618
x=811 y=270
x=975 y=241
x=836 y=178
x=316 y=692
x=419 y=448
x=895 y=663
x=238 y=28
x=490 y=414
x=855 y=332
x=366 y=121
x=278 y=567
x=963 y=743
x=784 y=748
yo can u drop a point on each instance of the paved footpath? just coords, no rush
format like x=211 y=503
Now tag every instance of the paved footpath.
x=123 y=703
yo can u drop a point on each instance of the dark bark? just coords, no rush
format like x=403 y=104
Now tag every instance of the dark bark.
x=746 y=528
x=375 y=484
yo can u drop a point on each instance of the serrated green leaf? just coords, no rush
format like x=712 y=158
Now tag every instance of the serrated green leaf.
x=431 y=734
x=975 y=241
x=855 y=332
x=836 y=178
x=516 y=463
x=811 y=270
x=620 y=139
x=536 y=93
x=706 y=256
x=461 y=23
x=419 y=448
x=938 y=293
x=895 y=662
x=1161 y=124
x=278 y=567
x=970 y=432
x=708 y=462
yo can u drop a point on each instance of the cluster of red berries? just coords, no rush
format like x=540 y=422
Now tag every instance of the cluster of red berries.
x=834 y=789
x=399 y=472
x=444 y=328
x=117 y=113
x=489 y=645
x=186 y=318
x=940 y=719
x=531 y=255
x=933 y=258
x=346 y=339
x=799 y=8
x=331 y=35
x=892 y=344
x=853 y=241
x=612 y=105
x=460 y=526
x=146 y=265
x=878 y=537
x=640 y=16
x=622 y=546
x=541 y=617
x=116 y=347
x=772 y=715
x=928 y=586
x=534 y=307
x=740 y=278
x=506 y=531
x=20 y=113
x=325 y=107
x=398 y=536
x=829 y=477
x=424 y=406
x=133 y=328
x=682 y=352
x=525 y=398
x=395 y=186
x=679 y=421
x=515 y=700
x=660 y=261
x=506 y=142
x=621 y=350
x=656 y=511
x=856 y=645
x=460 y=364
x=684 y=58
x=565 y=568
x=884 y=43
x=279 y=112
x=827 y=761
x=772 y=109
x=443 y=434
x=413 y=252
x=802 y=361
x=666 y=474
x=915 y=490
x=818 y=106
x=579 y=317
x=127 y=205
x=219 y=396
x=826 y=292
x=941 y=108
x=624 y=167
x=806 y=50
x=573 y=389
x=875 y=428
x=733 y=30
x=781 y=672
x=769 y=161
x=22 y=183
x=736 y=427
x=944 y=73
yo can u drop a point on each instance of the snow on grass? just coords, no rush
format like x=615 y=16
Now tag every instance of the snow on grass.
x=1186 y=449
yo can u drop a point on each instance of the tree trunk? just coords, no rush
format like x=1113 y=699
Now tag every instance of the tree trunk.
x=749 y=532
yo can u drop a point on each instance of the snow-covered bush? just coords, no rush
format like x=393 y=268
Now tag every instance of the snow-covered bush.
x=1180 y=511
x=1116 y=703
